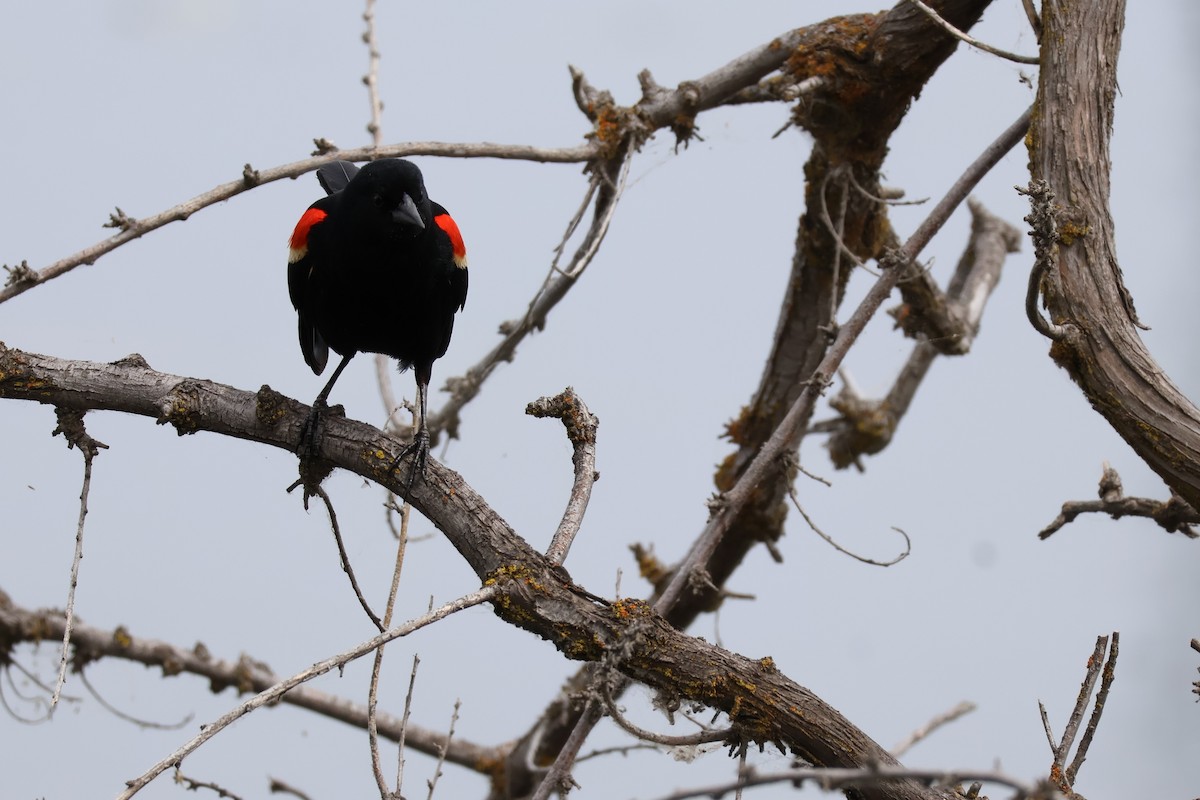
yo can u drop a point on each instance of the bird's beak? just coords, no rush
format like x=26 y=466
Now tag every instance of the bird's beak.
x=406 y=214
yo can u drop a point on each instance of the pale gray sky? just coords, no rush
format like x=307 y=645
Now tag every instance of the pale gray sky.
x=143 y=104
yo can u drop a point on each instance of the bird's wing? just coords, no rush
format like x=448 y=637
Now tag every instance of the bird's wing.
x=306 y=250
x=334 y=176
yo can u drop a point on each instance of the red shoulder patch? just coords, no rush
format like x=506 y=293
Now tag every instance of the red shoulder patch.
x=447 y=224
x=298 y=244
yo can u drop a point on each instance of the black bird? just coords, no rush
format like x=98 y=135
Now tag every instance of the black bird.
x=376 y=267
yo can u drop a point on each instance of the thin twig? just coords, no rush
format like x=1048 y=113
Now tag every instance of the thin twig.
x=742 y=770
x=70 y=425
x=957 y=34
x=703 y=737
x=923 y=732
x=371 y=79
x=464 y=388
x=1061 y=775
x=558 y=777
x=1046 y=726
x=581 y=427
x=838 y=547
x=278 y=786
x=191 y=784
x=1106 y=678
x=118 y=713
x=1035 y=21
x=377 y=667
x=135 y=229
x=1095 y=664
x=316 y=670
x=412 y=682
x=836 y=778
x=247 y=673
x=789 y=429
x=441 y=762
x=345 y=558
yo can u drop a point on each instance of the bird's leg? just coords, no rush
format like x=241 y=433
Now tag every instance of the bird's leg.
x=312 y=430
x=419 y=448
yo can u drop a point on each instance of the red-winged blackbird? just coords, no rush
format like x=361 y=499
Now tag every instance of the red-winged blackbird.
x=376 y=267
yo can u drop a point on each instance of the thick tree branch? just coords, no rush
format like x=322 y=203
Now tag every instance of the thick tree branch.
x=870 y=68
x=1083 y=289
x=534 y=593
x=944 y=323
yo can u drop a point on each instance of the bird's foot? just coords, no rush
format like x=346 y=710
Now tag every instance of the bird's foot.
x=311 y=432
x=313 y=470
x=419 y=450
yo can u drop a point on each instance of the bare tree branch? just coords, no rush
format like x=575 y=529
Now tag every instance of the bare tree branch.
x=91 y=644
x=529 y=591
x=70 y=425
x=957 y=34
x=944 y=324
x=1062 y=775
x=785 y=436
x=280 y=689
x=581 y=427
x=22 y=280
x=1173 y=516
x=1084 y=292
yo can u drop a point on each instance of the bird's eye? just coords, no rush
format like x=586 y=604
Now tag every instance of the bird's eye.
x=380 y=201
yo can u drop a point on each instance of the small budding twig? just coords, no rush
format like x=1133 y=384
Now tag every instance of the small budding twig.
x=441 y=762
x=581 y=427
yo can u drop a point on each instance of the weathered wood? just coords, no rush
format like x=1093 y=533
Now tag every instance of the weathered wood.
x=1091 y=311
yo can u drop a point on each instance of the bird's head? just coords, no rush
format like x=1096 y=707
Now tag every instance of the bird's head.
x=389 y=197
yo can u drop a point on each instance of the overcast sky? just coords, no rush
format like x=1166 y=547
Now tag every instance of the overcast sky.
x=144 y=103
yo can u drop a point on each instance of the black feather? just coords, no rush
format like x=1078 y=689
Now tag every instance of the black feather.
x=334 y=177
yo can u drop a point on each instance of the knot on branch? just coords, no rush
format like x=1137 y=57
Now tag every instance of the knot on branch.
x=250 y=176
x=866 y=428
x=70 y=425
x=180 y=408
x=120 y=220
x=581 y=424
x=1174 y=515
x=21 y=274
x=613 y=124
x=324 y=147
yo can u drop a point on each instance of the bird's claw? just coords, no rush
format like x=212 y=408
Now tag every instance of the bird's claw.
x=419 y=450
x=311 y=432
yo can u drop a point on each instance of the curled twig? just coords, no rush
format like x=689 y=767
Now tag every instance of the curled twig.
x=581 y=427
x=844 y=551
